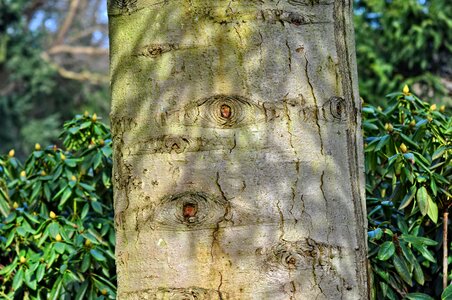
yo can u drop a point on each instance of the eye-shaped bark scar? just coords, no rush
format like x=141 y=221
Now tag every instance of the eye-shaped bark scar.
x=336 y=109
x=220 y=111
x=297 y=255
x=189 y=211
x=188 y=293
x=191 y=293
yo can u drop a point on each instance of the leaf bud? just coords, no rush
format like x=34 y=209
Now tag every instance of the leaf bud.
x=406 y=90
x=403 y=148
x=389 y=127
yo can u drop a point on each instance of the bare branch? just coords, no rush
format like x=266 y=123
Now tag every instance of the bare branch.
x=93 y=78
x=77 y=50
x=85 y=33
x=67 y=21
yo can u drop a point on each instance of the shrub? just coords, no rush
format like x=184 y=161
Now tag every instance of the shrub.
x=408 y=152
x=56 y=232
x=57 y=238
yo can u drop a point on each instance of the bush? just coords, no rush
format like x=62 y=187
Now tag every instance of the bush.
x=408 y=154
x=56 y=211
x=56 y=232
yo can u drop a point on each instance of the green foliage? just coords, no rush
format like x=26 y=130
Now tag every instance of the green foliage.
x=56 y=232
x=33 y=95
x=408 y=173
x=403 y=41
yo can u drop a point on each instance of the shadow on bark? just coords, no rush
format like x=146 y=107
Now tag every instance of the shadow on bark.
x=236 y=154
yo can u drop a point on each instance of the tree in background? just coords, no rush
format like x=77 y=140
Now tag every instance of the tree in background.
x=53 y=63
x=404 y=41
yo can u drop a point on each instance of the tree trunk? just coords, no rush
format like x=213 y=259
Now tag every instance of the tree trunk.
x=237 y=147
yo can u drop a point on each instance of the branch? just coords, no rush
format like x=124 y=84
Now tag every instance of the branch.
x=84 y=33
x=77 y=50
x=67 y=21
x=93 y=78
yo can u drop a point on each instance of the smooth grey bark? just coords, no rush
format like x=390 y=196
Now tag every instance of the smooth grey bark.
x=237 y=150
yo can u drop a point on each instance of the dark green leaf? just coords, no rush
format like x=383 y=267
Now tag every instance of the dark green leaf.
x=86 y=262
x=81 y=292
x=59 y=247
x=97 y=255
x=40 y=273
x=418 y=273
x=85 y=125
x=66 y=195
x=97 y=206
x=409 y=196
x=418 y=296
x=417 y=240
x=87 y=187
x=447 y=293
x=386 y=251
x=53 y=229
x=432 y=210
x=384 y=140
x=402 y=269
x=422 y=200
x=85 y=211
x=18 y=279
x=56 y=289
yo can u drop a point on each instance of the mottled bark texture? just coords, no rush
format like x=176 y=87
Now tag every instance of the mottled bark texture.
x=237 y=149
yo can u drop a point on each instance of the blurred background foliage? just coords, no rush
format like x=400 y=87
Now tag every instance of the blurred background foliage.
x=53 y=64
x=404 y=42
x=54 y=60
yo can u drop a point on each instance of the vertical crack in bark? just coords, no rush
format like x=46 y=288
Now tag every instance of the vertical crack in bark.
x=238 y=34
x=294 y=189
x=220 y=296
x=306 y=213
x=326 y=205
x=234 y=145
x=294 y=290
x=289 y=55
x=315 y=103
x=260 y=47
x=224 y=218
x=317 y=280
x=289 y=128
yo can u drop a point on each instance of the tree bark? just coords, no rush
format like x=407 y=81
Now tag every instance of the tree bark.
x=237 y=150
